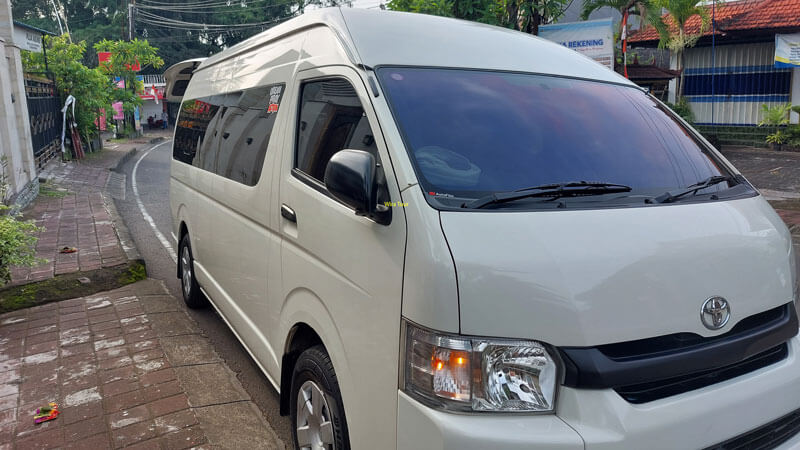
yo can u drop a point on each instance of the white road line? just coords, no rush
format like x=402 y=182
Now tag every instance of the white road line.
x=174 y=238
x=149 y=219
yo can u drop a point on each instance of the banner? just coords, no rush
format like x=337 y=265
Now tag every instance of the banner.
x=593 y=38
x=118 y=115
x=787 y=50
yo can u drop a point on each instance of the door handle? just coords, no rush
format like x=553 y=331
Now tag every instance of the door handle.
x=288 y=213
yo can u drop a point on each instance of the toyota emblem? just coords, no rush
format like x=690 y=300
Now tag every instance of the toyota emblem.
x=715 y=313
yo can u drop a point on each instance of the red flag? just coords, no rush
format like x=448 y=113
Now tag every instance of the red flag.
x=624 y=37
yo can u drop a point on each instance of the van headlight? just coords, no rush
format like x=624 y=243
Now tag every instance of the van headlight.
x=474 y=374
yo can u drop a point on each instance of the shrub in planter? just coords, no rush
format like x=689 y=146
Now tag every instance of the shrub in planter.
x=777 y=139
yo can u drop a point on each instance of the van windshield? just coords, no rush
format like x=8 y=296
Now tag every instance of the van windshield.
x=472 y=133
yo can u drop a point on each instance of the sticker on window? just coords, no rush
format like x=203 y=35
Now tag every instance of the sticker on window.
x=274 y=98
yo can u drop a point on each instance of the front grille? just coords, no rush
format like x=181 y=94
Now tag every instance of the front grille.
x=766 y=437
x=680 y=342
x=647 y=392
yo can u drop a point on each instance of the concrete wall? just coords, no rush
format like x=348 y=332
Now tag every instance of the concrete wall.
x=15 y=136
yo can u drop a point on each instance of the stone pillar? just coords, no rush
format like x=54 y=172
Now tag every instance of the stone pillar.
x=15 y=135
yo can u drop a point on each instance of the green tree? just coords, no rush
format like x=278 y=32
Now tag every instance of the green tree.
x=90 y=21
x=521 y=15
x=127 y=59
x=677 y=39
x=91 y=88
x=646 y=10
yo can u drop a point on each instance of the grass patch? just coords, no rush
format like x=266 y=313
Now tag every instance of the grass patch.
x=47 y=191
x=64 y=287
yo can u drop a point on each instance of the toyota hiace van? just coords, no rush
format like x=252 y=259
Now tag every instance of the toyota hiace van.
x=432 y=233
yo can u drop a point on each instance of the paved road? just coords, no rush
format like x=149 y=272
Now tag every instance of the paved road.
x=152 y=185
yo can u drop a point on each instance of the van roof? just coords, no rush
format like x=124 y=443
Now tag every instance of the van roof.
x=375 y=37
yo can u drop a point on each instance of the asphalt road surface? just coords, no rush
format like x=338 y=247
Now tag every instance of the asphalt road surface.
x=148 y=217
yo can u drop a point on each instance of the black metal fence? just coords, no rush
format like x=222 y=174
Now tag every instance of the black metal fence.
x=44 y=111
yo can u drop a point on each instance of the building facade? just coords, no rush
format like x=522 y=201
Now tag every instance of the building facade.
x=727 y=79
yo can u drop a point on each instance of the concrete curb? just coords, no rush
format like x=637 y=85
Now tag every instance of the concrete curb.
x=123 y=234
x=122 y=161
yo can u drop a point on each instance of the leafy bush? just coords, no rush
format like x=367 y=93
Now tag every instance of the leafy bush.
x=17 y=237
x=778 y=137
x=682 y=109
x=17 y=244
x=776 y=115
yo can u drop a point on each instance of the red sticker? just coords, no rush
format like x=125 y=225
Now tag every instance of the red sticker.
x=273 y=107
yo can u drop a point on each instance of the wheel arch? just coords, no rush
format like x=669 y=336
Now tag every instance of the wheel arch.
x=301 y=337
x=183 y=230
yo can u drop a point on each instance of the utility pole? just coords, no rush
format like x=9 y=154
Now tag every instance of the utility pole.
x=130 y=20
x=58 y=16
x=66 y=25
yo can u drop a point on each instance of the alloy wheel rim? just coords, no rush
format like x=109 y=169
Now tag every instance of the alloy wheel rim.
x=186 y=275
x=314 y=426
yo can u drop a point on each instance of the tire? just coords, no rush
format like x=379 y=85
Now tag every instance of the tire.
x=192 y=296
x=313 y=375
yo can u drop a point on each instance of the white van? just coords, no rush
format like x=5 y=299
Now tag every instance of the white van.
x=432 y=233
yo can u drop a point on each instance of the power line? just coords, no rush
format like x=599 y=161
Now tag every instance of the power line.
x=215 y=4
x=154 y=19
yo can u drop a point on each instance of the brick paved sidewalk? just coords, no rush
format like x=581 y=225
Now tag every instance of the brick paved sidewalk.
x=75 y=210
x=128 y=368
x=82 y=221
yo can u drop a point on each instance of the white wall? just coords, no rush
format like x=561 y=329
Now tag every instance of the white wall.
x=149 y=108
x=15 y=132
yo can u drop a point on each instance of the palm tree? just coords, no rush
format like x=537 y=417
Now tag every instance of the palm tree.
x=645 y=9
x=677 y=40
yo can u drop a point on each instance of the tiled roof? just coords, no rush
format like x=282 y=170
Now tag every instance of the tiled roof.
x=742 y=15
x=650 y=72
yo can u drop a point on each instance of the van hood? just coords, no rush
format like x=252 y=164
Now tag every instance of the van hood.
x=593 y=277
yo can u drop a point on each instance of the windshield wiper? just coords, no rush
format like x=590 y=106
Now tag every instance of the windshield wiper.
x=558 y=190
x=669 y=197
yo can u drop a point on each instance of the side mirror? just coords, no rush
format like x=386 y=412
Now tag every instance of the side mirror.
x=351 y=177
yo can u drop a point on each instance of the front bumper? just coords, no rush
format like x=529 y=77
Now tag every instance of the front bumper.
x=601 y=419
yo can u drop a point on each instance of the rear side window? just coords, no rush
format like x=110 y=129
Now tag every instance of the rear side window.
x=232 y=140
x=331 y=119
x=192 y=128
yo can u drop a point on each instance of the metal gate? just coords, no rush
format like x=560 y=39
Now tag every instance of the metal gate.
x=44 y=111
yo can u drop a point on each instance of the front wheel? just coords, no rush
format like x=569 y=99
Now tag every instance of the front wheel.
x=317 y=412
x=191 y=290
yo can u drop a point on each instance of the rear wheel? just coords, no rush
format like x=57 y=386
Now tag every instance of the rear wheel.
x=189 y=287
x=317 y=412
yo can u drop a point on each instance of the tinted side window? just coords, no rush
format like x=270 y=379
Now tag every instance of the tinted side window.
x=191 y=131
x=228 y=134
x=331 y=119
x=245 y=133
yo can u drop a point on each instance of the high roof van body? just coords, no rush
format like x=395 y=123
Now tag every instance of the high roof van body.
x=432 y=233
